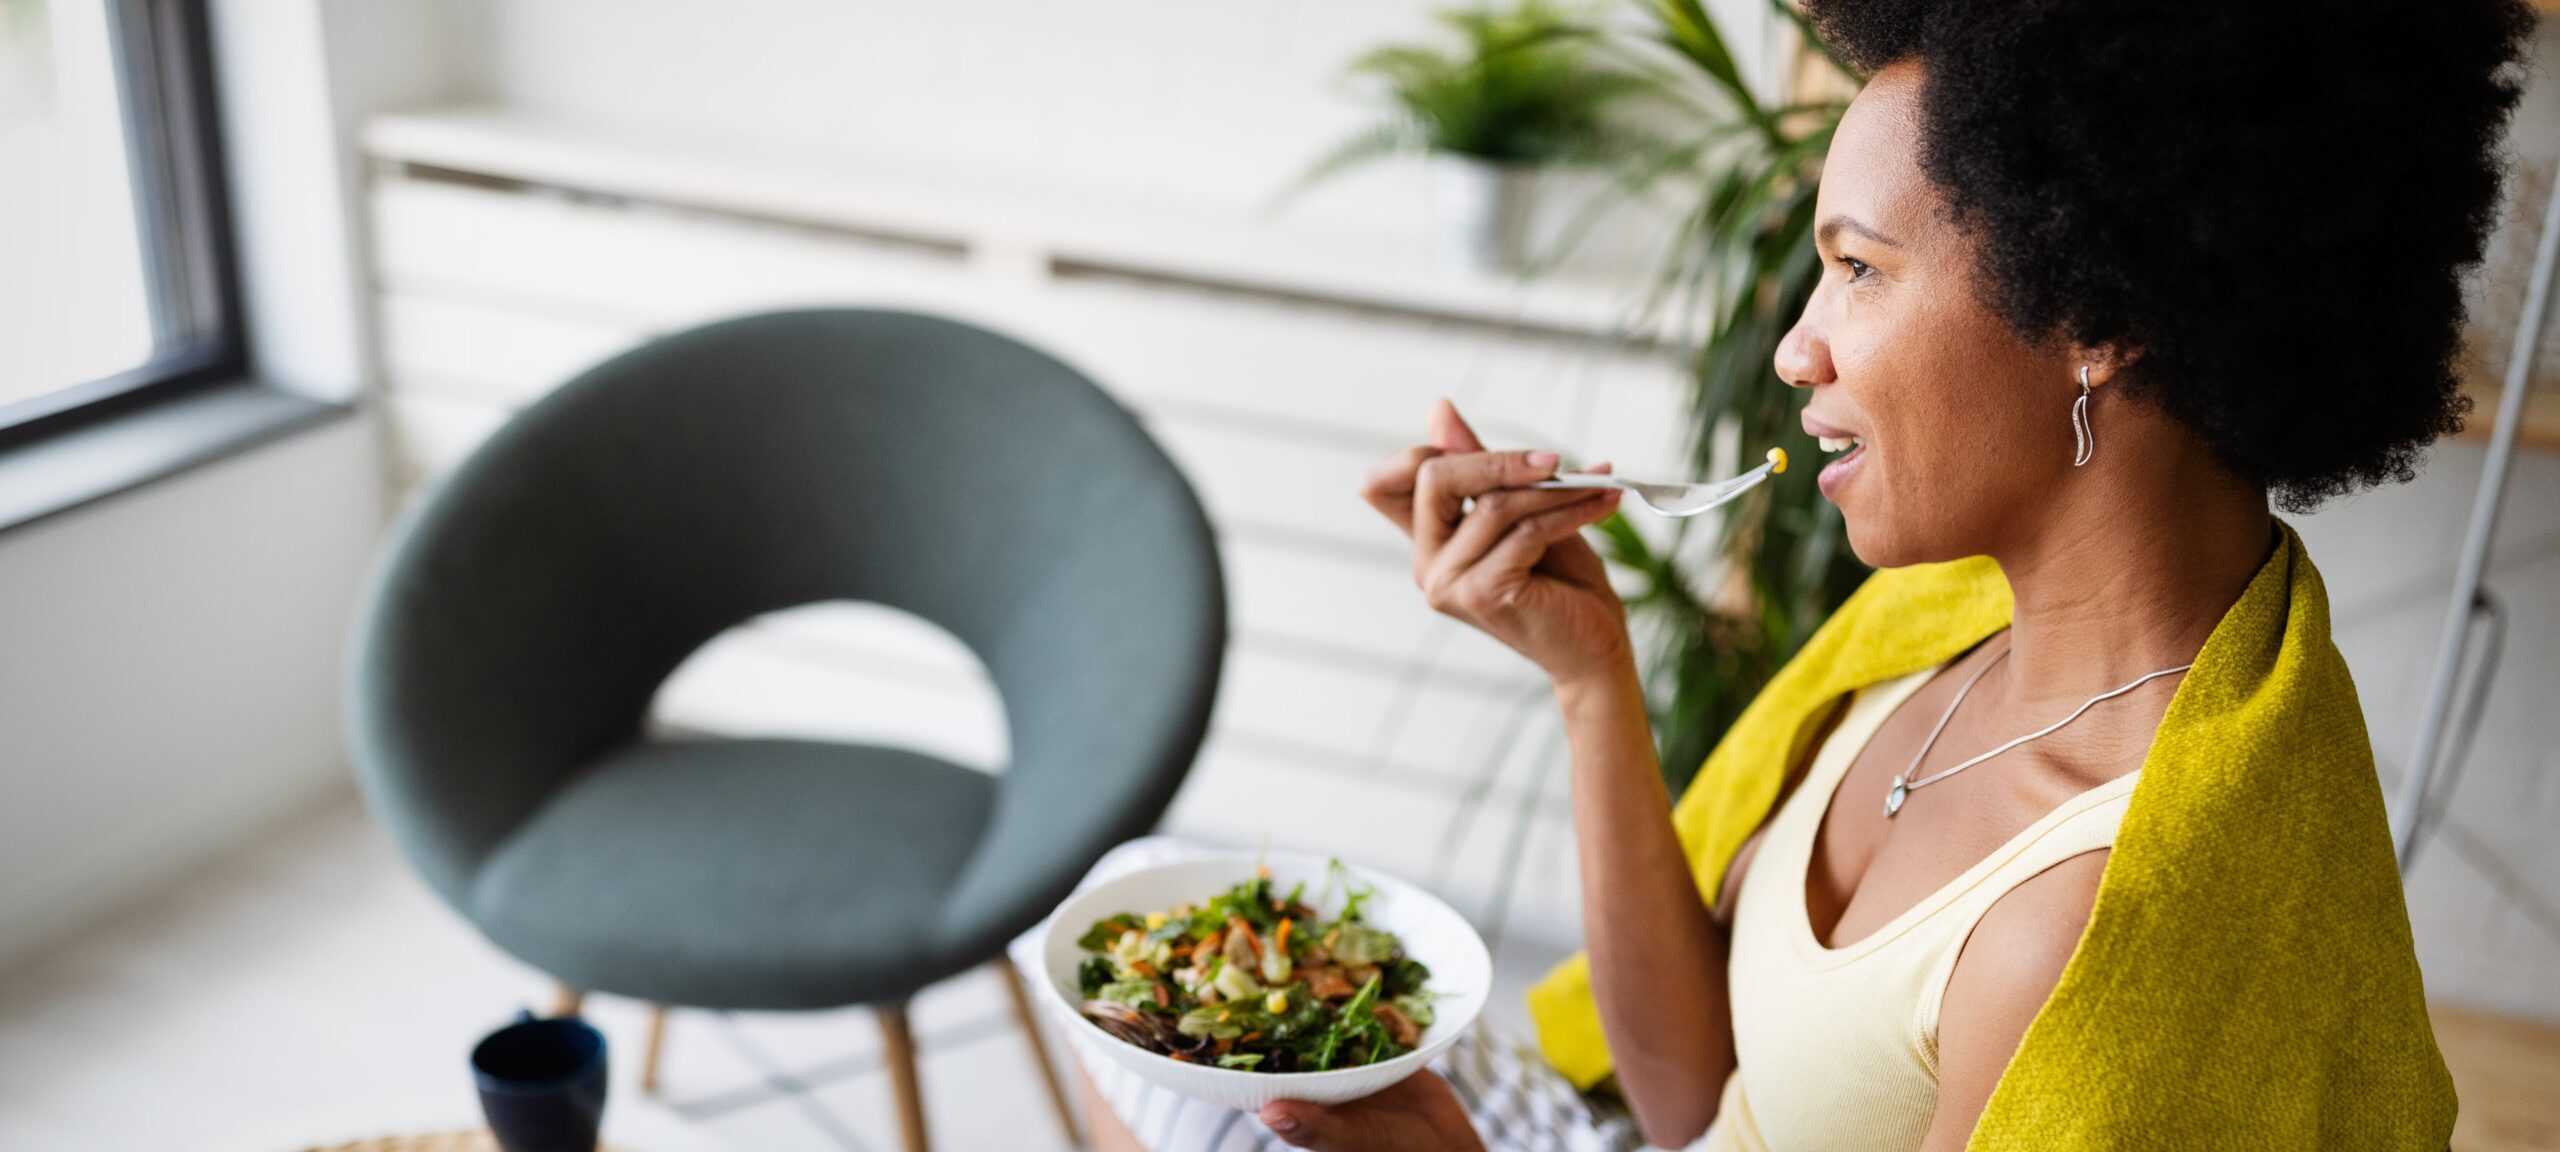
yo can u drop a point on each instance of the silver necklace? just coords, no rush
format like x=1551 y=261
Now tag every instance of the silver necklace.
x=1903 y=783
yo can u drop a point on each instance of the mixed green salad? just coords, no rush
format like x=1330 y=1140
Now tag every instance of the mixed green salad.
x=1253 y=979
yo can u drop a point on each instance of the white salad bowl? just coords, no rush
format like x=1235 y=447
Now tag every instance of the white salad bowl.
x=1432 y=932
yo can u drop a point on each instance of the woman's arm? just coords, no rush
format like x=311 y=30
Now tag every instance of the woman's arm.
x=1510 y=561
x=1657 y=958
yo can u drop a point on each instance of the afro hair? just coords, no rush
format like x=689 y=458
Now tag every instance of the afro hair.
x=2270 y=203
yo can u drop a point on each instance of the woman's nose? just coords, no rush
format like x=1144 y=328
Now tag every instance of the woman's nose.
x=1803 y=360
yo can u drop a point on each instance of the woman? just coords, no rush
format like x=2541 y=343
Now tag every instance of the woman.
x=2063 y=833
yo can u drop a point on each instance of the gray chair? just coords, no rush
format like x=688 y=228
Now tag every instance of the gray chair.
x=524 y=612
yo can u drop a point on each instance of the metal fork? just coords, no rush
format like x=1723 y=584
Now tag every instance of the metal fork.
x=1673 y=500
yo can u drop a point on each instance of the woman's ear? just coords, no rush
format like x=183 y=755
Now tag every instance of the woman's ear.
x=2105 y=362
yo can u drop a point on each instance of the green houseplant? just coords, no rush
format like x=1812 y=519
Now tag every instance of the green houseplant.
x=1525 y=90
x=1741 y=265
x=1733 y=275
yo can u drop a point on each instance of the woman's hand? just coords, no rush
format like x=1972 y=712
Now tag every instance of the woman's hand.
x=1515 y=564
x=1418 y=1114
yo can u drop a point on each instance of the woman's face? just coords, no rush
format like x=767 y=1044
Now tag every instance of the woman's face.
x=1963 y=428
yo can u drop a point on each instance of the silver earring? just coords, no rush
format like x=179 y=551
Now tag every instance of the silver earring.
x=2084 y=443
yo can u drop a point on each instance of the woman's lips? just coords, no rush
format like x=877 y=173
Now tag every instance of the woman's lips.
x=1839 y=470
x=1832 y=438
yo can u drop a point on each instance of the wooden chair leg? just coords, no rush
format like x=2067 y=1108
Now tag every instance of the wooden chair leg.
x=568 y=1001
x=898 y=1047
x=1030 y=1025
x=657 y=1045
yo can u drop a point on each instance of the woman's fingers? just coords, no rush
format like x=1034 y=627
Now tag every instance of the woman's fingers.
x=1484 y=525
x=1416 y=1114
x=1528 y=541
x=1444 y=483
x=1389 y=488
x=1449 y=431
x=1478 y=591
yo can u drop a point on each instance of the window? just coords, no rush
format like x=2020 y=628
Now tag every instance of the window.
x=115 y=275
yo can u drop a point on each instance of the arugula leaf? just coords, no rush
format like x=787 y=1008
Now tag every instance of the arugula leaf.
x=1405 y=976
x=1249 y=902
x=1106 y=931
x=1092 y=975
x=1353 y=895
x=1354 y=1022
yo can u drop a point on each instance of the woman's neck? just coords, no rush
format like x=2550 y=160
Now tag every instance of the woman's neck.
x=2127 y=586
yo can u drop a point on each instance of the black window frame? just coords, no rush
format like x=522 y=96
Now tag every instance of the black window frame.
x=164 y=65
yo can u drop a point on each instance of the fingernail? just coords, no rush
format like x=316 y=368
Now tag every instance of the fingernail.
x=1542 y=459
x=1284 y=1123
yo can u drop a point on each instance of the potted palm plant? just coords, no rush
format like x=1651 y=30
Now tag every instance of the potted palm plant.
x=1720 y=614
x=1523 y=93
x=1742 y=264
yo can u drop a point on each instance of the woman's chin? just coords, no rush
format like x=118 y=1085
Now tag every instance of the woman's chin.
x=1873 y=547
x=1882 y=531
x=1880 y=542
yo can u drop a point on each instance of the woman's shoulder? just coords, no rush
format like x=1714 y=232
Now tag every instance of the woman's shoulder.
x=2023 y=939
x=2007 y=969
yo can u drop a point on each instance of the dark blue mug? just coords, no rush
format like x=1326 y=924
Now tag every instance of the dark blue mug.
x=542 y=1084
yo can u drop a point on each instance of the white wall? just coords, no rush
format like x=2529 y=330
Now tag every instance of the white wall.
x=169 y=656
x=168 y=677
x=2484 y=897
x=1200 y=108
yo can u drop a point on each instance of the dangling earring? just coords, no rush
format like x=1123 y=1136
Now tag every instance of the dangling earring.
x=2084 y=443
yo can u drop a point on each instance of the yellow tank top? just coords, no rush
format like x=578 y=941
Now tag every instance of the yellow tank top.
x=1837 y=1047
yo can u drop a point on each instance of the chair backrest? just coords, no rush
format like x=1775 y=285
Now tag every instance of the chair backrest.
x=524 y=613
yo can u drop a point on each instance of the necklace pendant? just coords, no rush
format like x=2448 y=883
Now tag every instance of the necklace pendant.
x=1893 y=798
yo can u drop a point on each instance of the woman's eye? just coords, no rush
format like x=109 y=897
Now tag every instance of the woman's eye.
x=1858 y=269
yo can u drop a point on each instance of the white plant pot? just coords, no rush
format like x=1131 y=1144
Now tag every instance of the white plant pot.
x=1482 y=214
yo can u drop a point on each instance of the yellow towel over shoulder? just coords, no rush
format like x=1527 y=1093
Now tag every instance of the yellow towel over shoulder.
x=2246 y=979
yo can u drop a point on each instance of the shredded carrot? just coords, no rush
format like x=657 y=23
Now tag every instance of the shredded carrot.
x=1262 y=870
x=1250 y=1037
x=1283 y=934
x=1143 y=968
